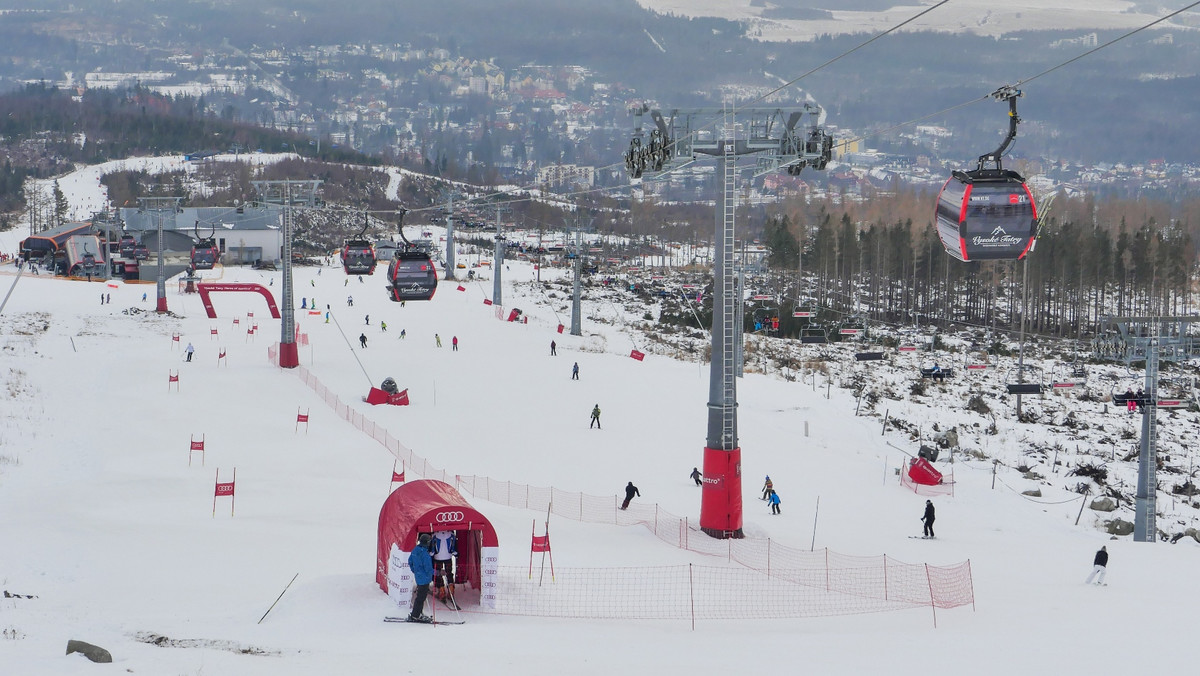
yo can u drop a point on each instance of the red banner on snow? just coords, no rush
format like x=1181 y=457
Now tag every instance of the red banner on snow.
x=560 y=328
x=224 y=489
x=541 y=543
x=461 y=287
x=637 y=355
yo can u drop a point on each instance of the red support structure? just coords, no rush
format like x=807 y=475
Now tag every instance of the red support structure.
x=541 y=543
x=221 y=358
x=205 y=289
x=173 y=377
x=301 y=418
x=721 y=500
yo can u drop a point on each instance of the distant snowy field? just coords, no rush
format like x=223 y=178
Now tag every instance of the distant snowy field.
x=103 y=520
x=984 y=17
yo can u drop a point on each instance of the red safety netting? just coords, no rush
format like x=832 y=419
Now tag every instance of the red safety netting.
x=799 y=583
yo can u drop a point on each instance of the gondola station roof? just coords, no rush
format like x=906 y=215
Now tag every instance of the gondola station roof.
x=426 y=506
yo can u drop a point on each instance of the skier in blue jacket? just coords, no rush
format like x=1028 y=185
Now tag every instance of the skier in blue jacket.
x=421 y=565
x=773 y=499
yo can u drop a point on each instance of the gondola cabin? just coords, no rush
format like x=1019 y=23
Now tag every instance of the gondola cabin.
x=126 y=246
x=205 y=254
x=411 y=276
x=986 y=214
x=358 y=257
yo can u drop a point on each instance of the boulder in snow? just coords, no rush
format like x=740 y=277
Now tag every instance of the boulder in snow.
x=1118 y=527
x=1033 y=492
x=1103 y=504
x=93 y=652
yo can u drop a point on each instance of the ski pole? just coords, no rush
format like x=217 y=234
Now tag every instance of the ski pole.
x=277 y=599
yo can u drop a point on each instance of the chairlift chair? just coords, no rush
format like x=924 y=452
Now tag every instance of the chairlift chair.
x=1024 y=379
x=814 y=336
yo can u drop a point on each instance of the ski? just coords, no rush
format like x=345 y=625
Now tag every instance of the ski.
x=450 y=604
x=405 y=619
x=921 y=537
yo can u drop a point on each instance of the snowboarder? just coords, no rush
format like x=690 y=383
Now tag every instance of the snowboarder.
x=595 y=417
x=421 y=565
x=630 y=491
x=445 y=548
x=928 y=518
x=768 y=486
x=1099 y=565
x=438 y=338
x=454 y=343
x=575 y=371
x=189 y=351
x=553 y=349
x=696 y=476
x=773 y=499
x=362 y=339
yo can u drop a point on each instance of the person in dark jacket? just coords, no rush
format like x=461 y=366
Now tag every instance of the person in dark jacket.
x=928 y=518
x=575 y=371
x=595 y=417
x=630 y=491
x=421 y=565
x=362 y=339
x=553 y=348
x=1099 y=566
x=696 y=476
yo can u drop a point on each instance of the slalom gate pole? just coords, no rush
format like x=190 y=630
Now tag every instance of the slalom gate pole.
x=289 y=584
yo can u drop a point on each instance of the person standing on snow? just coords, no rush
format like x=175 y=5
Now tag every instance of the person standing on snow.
x=553 y=348
x=189 y=351
x=421 y=565
x=1099 y=566
x=575 y=371
x=773 y=500
x=445 y=547
x=454 y=343
x=438 y=338
x=595 y=417
x=928 y=518
x=696 y=476
x=362 y=339
x=630 y=491
x=768 y=486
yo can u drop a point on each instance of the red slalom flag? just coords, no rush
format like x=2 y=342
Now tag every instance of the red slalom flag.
x=397 y=477
x=487 y=301
x=637 y=355
x=461 y=287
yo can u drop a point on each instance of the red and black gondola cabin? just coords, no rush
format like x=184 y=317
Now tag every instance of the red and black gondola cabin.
x=986 y=214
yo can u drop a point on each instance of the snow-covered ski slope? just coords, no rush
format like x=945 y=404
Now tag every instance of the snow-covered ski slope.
x=103 y=520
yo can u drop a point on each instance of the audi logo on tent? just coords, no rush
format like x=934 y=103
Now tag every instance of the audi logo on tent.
x=448 y=517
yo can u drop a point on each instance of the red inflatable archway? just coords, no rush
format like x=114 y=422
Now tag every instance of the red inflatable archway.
x=206 y=288
x=426 y=506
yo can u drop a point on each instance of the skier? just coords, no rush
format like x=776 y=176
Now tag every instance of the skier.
x=595 y=417
x=107 y=298
x=327 y=316
x=349 y=301
x=768 y=486
x=362 y=339
x=928 y=518
x=143 y=296
x=575 y=371
x=454 y=343
x=696 y=476
x=438 y=339
x=383 y=326
x=403 y=333
x=773 y=499
x=368 y=320
x=189 y=351
x=1099 y=565
x=421 y=565
x=630 y=491
x=445 y=548
x=303 y=303
x=102 y=299
x=553 y=349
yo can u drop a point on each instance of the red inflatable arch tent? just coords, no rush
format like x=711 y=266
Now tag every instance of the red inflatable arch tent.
x=426 y=506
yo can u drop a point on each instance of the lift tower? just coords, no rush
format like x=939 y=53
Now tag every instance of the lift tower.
x=778 y=142
x=289 y=194
x=1153 y=340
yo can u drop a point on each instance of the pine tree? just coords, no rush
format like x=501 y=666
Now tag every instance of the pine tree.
x=61 y=205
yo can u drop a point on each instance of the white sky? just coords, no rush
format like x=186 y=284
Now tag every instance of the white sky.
x=104 y=521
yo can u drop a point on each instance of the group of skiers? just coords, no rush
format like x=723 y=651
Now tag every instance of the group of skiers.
x=432 y=560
